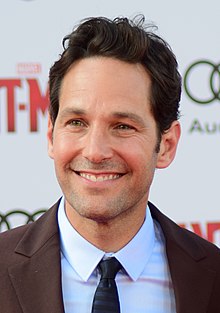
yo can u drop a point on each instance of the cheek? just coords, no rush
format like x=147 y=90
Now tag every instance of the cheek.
x=63 y=150
x=136 y=150
x=141 y=159
x=135 y=159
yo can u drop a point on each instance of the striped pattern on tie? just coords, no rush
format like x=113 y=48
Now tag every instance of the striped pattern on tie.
x=106 y=296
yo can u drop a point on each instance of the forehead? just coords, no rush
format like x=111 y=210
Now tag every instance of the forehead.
x=105 y=81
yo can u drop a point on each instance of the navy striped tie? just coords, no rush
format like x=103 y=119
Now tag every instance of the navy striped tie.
x=106 y=295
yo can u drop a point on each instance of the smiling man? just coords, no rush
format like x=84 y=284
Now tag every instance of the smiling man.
x=104 y=143
x=103 y=247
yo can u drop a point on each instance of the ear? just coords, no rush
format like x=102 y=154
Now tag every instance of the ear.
x=50 y=137
x=168 y=145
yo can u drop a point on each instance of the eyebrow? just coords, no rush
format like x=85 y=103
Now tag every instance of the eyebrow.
x=131 y=116
x=71 y=111
x=123 y=115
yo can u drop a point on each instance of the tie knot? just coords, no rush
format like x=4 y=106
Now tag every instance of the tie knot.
x=109 y=268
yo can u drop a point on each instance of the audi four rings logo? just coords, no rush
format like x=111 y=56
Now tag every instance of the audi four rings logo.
x=8 y=220
x=206 y=73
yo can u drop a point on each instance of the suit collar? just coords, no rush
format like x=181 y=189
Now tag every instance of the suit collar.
x=192 y=279
x=39 y=233
x=38 y=284
x=173 y=233
x=37 y=280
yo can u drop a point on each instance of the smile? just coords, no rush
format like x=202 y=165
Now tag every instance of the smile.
x=99 y=178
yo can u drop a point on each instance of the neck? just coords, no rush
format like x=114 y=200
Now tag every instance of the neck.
x=111 y=235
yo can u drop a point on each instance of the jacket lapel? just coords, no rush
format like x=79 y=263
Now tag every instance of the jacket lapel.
x=37 y=277
x=191 y=277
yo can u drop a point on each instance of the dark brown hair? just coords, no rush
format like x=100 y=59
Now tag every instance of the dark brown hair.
x=130 y=41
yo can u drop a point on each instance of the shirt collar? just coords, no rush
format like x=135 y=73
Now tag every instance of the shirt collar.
x=76 y=249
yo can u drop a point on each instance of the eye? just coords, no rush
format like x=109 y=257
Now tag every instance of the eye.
x=124 y=127
x=76 y=123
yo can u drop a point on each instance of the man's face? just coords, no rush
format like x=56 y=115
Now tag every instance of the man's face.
x=104 y=139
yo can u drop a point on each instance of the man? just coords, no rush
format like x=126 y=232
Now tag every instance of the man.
x=113 y=119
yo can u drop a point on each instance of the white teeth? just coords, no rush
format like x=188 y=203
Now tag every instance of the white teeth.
x=99 y=178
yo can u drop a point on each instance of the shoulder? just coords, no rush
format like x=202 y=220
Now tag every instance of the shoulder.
x=25 y=240
x=8 y=243
x=10 y=238
x=178 y=237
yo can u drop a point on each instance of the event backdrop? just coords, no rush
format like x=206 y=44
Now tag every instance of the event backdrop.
x=31 y=32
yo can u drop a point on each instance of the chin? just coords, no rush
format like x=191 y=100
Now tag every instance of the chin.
x=102 y=217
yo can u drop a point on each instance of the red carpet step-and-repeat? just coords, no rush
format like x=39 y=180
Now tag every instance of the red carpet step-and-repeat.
x=31 y=32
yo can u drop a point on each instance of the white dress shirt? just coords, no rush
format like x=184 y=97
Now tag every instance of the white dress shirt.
x=144 y=284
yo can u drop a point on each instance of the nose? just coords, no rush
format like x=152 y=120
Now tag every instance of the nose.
x=97 y=145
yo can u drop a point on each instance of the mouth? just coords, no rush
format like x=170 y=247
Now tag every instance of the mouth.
x=99 y=177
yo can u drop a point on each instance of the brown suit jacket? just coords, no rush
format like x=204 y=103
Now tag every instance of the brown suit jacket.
x=30 y=270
